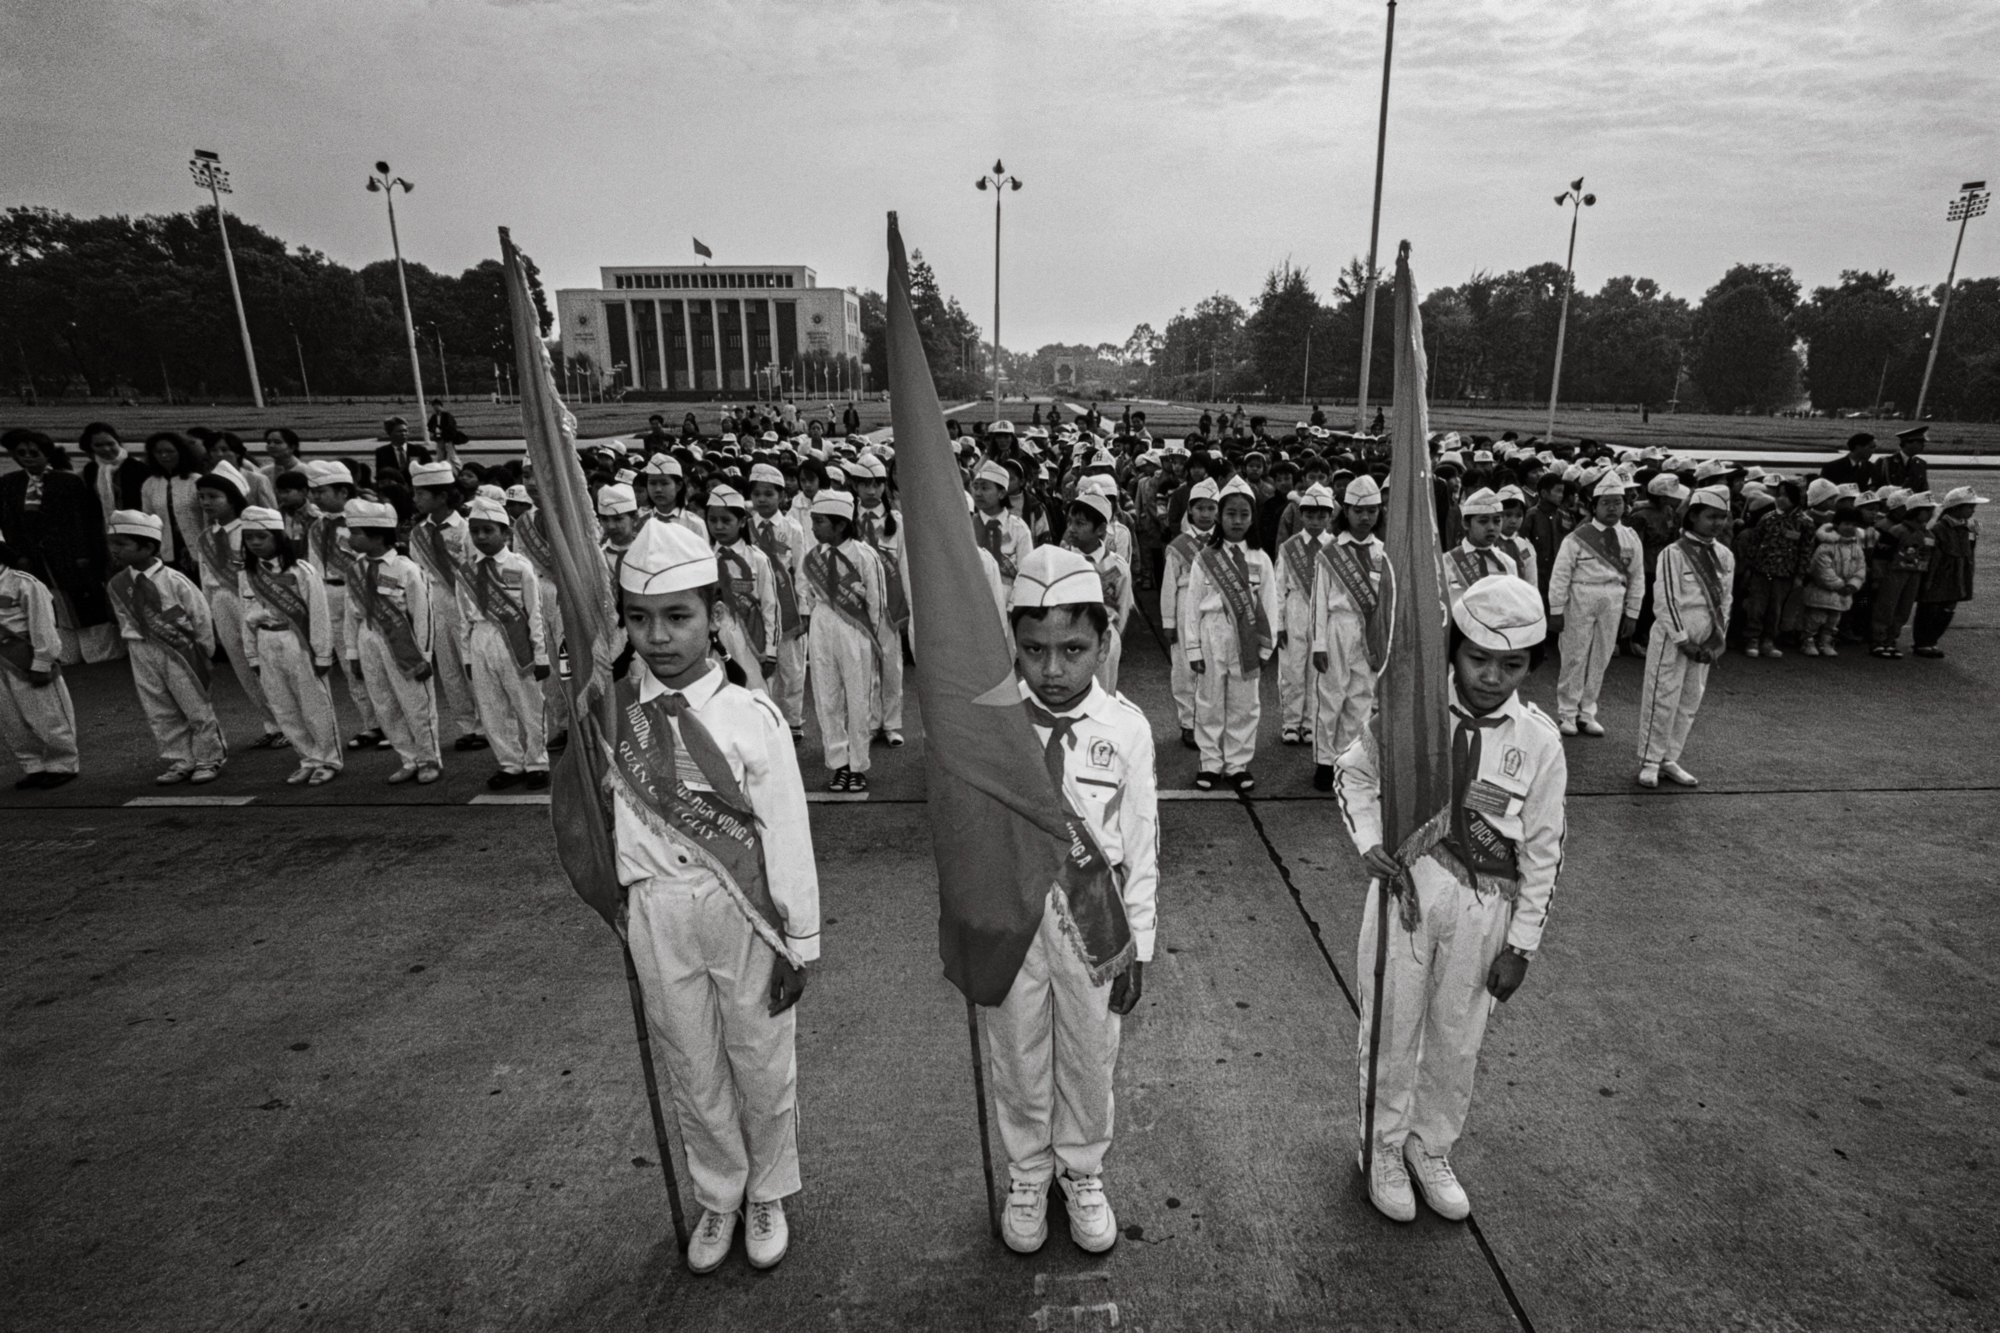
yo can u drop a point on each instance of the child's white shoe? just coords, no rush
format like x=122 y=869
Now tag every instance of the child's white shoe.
x=1439 y=1182
x=767 y=1235
x=1649 y=775
x=1024 y=1219
x=1673 y=772
x=1809 y=648
x=1567 y=727
x=1590 y=726
x=1091 y=1223
x=170 y=777
x=709 y=1245
x=1751 y=650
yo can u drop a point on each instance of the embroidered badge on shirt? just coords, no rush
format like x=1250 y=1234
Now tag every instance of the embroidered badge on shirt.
x=1487 y=799
x=1512 y=762
x=1102 y=752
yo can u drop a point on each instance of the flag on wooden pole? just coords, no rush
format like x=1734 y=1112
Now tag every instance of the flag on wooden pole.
x=1413 y=687
x=996 y=826
x=578 y=807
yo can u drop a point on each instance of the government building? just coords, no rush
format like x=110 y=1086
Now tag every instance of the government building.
x=702 y=331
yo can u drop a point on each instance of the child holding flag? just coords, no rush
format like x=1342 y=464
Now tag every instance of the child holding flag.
x=1176 y=567
x=37 y=719
x=388 y=639
x=721 y=909
x=1347 y=632
x=1231 y=605
x=506 y=647
x=289 y=637
x=841 y=599
x=1298 y=573
x=1595 y=590
x=783 y=541
x=748 y=593
x=1055 y=1037
x=170 y=633
x=1472 y=907
x=1691 y=586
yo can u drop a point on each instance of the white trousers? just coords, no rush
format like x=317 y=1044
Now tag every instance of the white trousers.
x=731 y=1067
x=1227 y=708
x=555 y=703
x=886 y=708
x=300 y=699
x=1181 y=681
x=233 y=635
x=1434 y=1009
x=1297 y=697
x=455 y=699
x=1107 y=666
x=1668 y=699
x=1589 y=638
x=1345 y=691
x=406 y=709
x=788 y=686
x=509 y=702
x=177 y=708
x=1052 y=1046
x=336 y=610
x=843 y=683
x=38 y=723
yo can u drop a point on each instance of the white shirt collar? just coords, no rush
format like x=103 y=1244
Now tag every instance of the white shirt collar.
x=697 y=695
x=1095 y=704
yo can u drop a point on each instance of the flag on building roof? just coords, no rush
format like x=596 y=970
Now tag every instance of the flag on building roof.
x=703 y=250
x=1413 y=688
x=997 y=829
x=578 y=807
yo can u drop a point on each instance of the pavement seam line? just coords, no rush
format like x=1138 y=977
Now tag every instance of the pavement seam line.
x=1319 y=940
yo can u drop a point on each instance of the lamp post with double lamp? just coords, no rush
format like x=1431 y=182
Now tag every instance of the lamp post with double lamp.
x=1970 y=203
x=999 y=182
x=386 y=185
x=1577 y=201
x=206 y=168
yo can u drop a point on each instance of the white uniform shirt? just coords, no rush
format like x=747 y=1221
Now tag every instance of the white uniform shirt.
x=176 y=589
x=1331 y=603
x=1577 y=566
x=1015 y=539
x=1523 y=757
x=873 y=588
x=1680 y=603
x=28 y=611
x=397 y=579
x=1491 y=558
x=518 y=583
x=1204 y=598
x=1108 y=778
x=1295 y=597
x=756 y=742
x=319 y=623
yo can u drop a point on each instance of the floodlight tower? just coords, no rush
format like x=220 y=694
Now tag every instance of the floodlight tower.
x=206 y=167
x=1970 y=203
x=1577 y=201
x=386 y=185
x=999 y=182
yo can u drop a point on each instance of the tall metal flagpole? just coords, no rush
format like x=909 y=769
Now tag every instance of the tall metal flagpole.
x=207 y=169
x=1971 y=202
x=1578 y=201
x=1374 y=230
x=388 y=185
x=999 y=182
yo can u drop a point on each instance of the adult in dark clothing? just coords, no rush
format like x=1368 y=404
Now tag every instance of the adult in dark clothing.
x=399 y=454
x=52 y=521
x=1905 y=467
x=1855 y=467
x=851 y=419
x=114 y=473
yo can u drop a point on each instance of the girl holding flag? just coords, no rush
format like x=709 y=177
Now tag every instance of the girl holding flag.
x=1229 y=611
x=289 y=642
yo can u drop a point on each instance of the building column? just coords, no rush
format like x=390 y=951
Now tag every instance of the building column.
x=743 y=323
x=771 y=322
x=687 y=342
x=715 y=323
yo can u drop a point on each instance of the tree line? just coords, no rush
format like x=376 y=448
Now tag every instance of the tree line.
x=120 y=306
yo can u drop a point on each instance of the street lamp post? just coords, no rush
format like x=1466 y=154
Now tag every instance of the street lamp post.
x=386 y=185
x=1970 y=203
x=444 y=371
x=1374 y=231
x=999 y=182
x=301 y=349
x=206 y=167
x=1577 y=201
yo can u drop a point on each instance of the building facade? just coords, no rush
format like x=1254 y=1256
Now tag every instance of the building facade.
x=702 y=331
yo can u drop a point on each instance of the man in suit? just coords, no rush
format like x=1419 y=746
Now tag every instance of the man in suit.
x=1856 y=467
x=1904 y=467
x=113 y=472
x=399 y=454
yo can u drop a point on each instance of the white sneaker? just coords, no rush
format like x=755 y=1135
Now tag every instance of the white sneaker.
x=1590 y=726
x=1024 y=1218
x=298 y=779
x=1649 y=775
x=1439 y=1183
x=709 y=1245
x=1091 y=1223
x=767 y=1235
x=1389 y=1190
x=1673 y=772
x=171 y=776
x=204 y=773
x=1566 y=728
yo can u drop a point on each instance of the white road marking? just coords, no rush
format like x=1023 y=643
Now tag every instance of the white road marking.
x=835 y=797
x=521 y=798
x=189 y=800
x=1192 y=795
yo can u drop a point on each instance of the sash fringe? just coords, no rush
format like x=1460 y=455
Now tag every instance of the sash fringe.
x=1099 y=973
x=1426 y=840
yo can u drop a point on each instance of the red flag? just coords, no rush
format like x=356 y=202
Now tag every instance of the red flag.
x=1413 y=692
x=578 y=807
x=996 y=828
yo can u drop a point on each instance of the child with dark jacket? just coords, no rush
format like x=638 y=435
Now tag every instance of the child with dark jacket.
x=1948 y=581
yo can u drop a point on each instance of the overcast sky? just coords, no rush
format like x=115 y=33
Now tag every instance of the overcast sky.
x=1170 y=149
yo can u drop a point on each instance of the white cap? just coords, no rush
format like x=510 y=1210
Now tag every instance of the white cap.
x=834 y=504
x=518 y=495
x=328 y=472
x=1205 y=489
x=616 y=499
x=663 y=465
x=1236 y=486
x=1056 y=576
x=483 y=510
x=1512 y=492
x=1481 y=501
x=666 y=557
x=1609 y=484
x=1098 y=485
x=136 y=523
x=765 y=474
x=1364 y=490
x=1001 y=428
x=1961 y=495
x=257 y=518
x=491 y=492
x=1667 y=486
x=993 y=472
x=768 y=437
x=432 y=474
x=726 y=497
x=1715 y=497
x=1095 y=503
x=1316 y=497
x=226 y=470
x=369 y=514
x=1501 y=612
x=624 y=476
x=870 y=468
x=1710 y=467
x=1918 y=500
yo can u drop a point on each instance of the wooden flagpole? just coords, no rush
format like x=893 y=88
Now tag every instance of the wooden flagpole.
x=1382 y=907
x=985 y=1138
x=666 y=1149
